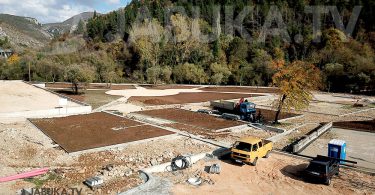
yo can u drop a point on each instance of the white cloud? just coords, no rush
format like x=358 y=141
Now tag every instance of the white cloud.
x=44 y=10
x=114 y=1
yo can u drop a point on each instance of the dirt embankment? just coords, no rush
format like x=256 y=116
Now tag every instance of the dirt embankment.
x=82 y=132
x=241 y=89
x=183 y=98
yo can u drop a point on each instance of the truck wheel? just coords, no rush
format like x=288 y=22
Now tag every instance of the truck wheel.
x=254 y=163
x=328 y=181
x=267 y=154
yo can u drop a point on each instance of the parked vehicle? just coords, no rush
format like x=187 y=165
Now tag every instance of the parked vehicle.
x=248 y=150
x=246 y=110
x=322 y=168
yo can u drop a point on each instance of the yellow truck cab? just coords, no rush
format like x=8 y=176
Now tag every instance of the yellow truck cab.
x=249 y=149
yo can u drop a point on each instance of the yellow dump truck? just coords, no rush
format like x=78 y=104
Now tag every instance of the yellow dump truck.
x=248 y=150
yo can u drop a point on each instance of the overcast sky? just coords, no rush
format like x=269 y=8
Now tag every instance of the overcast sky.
x=47 y=11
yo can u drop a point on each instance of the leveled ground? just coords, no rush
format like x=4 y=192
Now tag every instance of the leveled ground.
x=183 y=98
x=275 y=175
x=241 y=89
x=192 y=119
x=82 y=132
x=17 y=96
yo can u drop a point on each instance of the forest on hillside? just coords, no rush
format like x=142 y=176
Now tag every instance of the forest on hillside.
x=154 y=41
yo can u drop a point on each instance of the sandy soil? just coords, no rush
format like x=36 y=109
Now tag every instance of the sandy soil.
x=82 y=132
x=26 y=98
x=234 y=136
x=121 y=105
x=275 y=175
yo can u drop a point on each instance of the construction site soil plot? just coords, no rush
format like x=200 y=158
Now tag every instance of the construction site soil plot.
x=241 y=89
x=183 y=98
x=83 y=132
x=368 y=126
x=193 y=119
x=269 y=115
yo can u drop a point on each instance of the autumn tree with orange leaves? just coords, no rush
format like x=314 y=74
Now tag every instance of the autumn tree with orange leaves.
x=296 y=82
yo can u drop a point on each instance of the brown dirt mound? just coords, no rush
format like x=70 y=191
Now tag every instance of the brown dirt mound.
x=357 y=125
x=82 y=132
x=241 y=89
x=183 y=98
x=192 y=118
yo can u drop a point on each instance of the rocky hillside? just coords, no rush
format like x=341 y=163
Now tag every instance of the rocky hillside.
x=23 y=31
x=68 y=25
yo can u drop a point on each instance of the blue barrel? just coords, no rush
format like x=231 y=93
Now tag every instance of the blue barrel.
x=337 y=149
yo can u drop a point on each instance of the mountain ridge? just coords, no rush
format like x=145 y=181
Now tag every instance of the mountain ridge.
x=28 y=32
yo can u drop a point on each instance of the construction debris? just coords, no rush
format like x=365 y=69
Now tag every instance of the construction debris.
x=215 y=169
x=195 y=181
x=180 y=163
x=94 y=182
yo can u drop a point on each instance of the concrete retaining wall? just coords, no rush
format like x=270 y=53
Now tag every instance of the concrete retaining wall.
x=267 y=128
x=307 y=140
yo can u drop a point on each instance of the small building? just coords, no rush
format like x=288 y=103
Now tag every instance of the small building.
x=5 y=53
